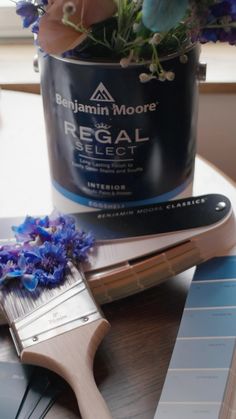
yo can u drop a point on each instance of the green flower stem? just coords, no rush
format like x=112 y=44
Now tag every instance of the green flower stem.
x=81 y=29
x=221 y=26
x=127 y=13
x=156 y=61
x=138 y=42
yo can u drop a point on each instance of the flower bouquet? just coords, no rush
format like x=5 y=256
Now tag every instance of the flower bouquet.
x=119 y=86
x=128 y=30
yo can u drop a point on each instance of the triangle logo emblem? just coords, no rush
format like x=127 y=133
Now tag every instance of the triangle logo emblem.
x=101 y=94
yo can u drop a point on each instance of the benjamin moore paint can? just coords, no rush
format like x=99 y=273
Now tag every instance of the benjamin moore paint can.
x=113 y=141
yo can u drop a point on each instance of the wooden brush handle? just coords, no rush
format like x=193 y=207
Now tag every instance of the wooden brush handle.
x=71 y=356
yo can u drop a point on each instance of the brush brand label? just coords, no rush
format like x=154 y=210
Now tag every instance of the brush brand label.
x=113 y=141
x=160 y=218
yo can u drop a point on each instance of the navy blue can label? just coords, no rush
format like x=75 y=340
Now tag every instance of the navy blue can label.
x=113 y=141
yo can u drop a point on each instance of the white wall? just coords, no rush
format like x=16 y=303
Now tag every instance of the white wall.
x=217 y=130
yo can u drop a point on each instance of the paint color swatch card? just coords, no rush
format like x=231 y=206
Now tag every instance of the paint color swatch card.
x=27 y=392
x=201 y=379
x=14 y=380
x=53 y=390
x=37 y=387
x=42 y=391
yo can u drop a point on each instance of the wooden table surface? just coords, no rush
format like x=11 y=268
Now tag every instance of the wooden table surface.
x=132 y=361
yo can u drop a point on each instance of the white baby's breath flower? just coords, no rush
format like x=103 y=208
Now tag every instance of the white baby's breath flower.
x=170 y=75
x=183 y=59
x=138 y=3
x=156 y=39
x=136 y=27
x=162 y=76
x=125 y=62
x=145 y=77
x=69 y=8
x=153 y=67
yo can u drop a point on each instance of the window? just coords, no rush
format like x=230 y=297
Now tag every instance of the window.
x=10 y=23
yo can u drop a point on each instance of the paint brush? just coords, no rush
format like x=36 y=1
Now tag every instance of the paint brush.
x=60 y=329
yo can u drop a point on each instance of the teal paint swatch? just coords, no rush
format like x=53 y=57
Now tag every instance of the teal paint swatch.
x=196 y=381
x=217 y=268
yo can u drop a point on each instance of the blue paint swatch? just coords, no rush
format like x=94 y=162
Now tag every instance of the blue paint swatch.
x=202 y=323
x=217 y=268
x=193 y=411
x=194 y=386
x=196 y=381
x=202 y=353
x=215 y=294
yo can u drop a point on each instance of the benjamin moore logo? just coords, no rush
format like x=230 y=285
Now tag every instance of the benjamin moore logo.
x=101 y=94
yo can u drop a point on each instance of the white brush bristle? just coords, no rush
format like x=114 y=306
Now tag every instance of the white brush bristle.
x=16 y=301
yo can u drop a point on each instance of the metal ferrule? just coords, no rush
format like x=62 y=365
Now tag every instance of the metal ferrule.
x=71 y=309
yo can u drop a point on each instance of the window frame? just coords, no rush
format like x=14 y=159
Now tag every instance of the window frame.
x=10 y=23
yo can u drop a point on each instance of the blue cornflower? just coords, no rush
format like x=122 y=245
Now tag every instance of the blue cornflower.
x=50 y=261
x=28 y=11
x=35 y=27
x=233 y=7
x=9 y=256
x=44 y=265
x=31 y=228
x=225 y=9
x=62 y=220
x=50 y=279
x=9 y=252
x=43 y=249
x=219 y=34
x=20 y=271
x=8 y=270
x=77 y=243
x=209 y=35
x=221 y=9
x=46 y=255
x=83 y=242
x=220 y=23
x=23 y=273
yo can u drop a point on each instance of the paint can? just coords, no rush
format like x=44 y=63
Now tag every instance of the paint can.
x=113 y=141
